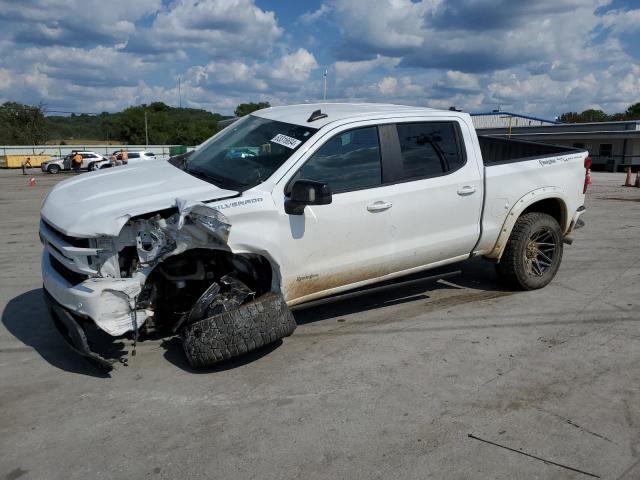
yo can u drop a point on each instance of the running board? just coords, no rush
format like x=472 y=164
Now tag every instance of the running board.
x=374 y=289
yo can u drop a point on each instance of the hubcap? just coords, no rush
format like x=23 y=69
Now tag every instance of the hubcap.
x=540 y=252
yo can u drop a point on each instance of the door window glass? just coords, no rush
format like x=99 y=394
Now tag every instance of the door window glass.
x=348 y=161
x=429 y=149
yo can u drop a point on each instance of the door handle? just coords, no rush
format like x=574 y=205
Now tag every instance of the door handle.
x=379 y=206
x=466 y=190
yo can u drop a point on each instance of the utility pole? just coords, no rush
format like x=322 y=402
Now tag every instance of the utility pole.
x=146 y=130
x=324 y=96
x=179 y=92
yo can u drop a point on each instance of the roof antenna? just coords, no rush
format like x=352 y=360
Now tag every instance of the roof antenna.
x=316 y=115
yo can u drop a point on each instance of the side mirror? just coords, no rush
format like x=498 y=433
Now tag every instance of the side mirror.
x=307 y=192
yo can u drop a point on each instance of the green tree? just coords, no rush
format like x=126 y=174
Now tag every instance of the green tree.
x=592 y=115
x=633 y=112
x=570 y=117
x=166 y=125
x=246 y=108
x=22 y=124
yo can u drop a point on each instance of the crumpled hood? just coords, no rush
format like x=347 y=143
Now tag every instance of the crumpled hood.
x=100 y=203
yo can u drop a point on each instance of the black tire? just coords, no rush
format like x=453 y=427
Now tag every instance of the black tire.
x=90 y=167
x=54 y=169
x=528 y=263
x=230 y=334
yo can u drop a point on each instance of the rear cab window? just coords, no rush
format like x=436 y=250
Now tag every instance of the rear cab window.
x=429 y=149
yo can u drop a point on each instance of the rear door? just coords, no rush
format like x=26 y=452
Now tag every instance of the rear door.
x=88 y=158
x=438 y=199
x=134 y=157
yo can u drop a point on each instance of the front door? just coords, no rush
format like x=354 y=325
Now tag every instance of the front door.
x=350 y=240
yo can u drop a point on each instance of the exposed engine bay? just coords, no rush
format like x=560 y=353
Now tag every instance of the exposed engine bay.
x=164 y=270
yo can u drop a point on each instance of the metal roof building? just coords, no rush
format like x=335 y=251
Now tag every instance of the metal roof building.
x=611 y=145
x=499 y=119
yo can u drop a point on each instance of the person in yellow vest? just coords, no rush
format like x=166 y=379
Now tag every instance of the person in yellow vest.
x=76 y=162
x=26 y=164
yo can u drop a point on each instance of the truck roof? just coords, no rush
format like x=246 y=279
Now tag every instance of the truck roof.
x=299 y=114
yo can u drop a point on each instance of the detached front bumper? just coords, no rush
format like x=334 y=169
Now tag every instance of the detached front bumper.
x=108 y=302
x=73 y=332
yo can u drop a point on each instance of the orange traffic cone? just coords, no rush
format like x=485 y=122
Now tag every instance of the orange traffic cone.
x=638 y=178
x=627 y=182
x=32 y=182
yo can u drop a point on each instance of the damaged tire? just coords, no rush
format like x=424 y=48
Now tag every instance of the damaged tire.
x=239 y=331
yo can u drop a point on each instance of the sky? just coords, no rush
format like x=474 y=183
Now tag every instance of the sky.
x=536 y=57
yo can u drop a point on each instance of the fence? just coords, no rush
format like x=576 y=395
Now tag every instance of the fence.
x=161 y=151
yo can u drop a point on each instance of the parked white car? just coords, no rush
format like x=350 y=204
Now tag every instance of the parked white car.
x=134 y=157
x=89 y=162
x=293 y=204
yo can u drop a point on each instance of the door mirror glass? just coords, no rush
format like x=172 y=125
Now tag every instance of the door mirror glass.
x=307 y=192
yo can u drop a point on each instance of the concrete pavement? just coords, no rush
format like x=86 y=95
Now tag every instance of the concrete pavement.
x=388 y=386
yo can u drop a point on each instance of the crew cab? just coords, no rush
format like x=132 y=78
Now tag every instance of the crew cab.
x=297 y=203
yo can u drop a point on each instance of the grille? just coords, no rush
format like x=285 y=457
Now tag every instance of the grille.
x=76 y=242
x=70 y=276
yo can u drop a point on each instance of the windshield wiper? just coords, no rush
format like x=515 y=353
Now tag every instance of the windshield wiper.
x=217 y=181
x=205 y=176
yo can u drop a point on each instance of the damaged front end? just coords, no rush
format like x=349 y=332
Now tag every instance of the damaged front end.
x=162 y=272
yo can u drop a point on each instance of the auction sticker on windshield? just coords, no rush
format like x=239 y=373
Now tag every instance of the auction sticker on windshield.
x=288 y=142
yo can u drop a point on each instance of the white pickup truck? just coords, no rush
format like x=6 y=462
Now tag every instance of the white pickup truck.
x=293 y=204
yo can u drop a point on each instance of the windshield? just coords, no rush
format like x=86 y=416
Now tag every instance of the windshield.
x=247 y=152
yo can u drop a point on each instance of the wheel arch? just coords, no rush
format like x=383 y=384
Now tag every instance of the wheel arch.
x=549 y=200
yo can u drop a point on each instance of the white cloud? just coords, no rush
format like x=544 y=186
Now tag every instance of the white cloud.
x=5 y=78
x=309 y=18
x=455 y=79
x=235 y=76
x=294 y=67
x=350 y=71
x=541 y=57
x=622 y=21
x=382 y=25
x=73 y=22
x=387 y=86
x=285 y=73
x=218 y=28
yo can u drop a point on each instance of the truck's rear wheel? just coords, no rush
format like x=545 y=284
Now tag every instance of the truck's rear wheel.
x=533 y=252
x=236 y=332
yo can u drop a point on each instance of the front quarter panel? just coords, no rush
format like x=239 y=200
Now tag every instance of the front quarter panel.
x=254 y=227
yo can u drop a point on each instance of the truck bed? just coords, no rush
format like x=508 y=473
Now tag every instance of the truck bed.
x=497 y=150
x=514 y=168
